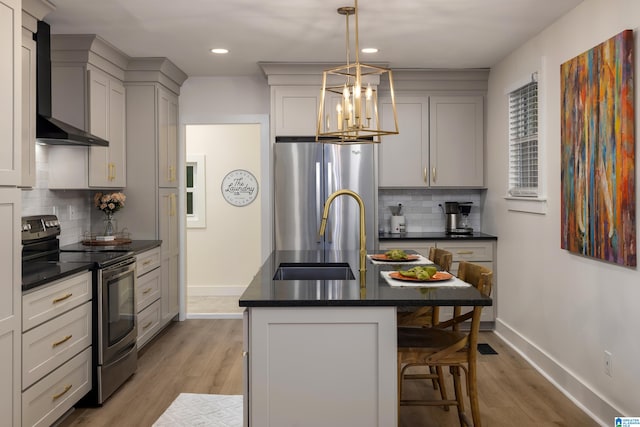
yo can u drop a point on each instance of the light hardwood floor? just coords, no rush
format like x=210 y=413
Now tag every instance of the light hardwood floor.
x=213 y=305
x=205 y=356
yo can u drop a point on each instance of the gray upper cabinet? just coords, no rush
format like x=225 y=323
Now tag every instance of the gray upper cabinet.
x=441 y=124
x=440 y=144
x=88 y=92
x=456 y=141
x=404 y=158
x=296 y=110
x=28 y=109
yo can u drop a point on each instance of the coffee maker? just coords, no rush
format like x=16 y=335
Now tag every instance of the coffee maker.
x=457 y=216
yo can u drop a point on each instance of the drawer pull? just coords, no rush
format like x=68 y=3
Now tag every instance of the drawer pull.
x=465 y=252
x=147 y=262
x=67 y=296
x=62 y=393
x=62 y=341
x=146 y=291
x=147 y=325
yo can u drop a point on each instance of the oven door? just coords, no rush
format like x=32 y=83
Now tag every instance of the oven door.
x=117 y=325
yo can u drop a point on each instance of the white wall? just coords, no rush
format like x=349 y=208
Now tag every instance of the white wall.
x=203 y=98
x=562 y=311
x=227 y=100
x=226 y=253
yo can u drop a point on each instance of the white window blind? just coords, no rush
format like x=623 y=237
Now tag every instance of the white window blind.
x=523 y=140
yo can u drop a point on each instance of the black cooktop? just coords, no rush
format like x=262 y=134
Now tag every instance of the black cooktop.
x=40 y=272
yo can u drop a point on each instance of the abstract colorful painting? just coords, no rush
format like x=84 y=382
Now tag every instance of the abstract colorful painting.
x=598 y=152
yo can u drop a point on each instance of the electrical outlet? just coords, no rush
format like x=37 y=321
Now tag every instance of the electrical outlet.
x=607 y=363
x=73 y=214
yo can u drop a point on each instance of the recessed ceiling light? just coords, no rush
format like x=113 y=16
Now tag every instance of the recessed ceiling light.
x=219 y=50
x=369 y=50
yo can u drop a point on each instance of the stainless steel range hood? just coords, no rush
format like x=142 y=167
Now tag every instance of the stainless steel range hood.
x=48 y=129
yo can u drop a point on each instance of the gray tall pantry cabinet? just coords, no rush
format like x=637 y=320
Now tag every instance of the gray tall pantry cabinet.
x=10 y=211
x=153 y=86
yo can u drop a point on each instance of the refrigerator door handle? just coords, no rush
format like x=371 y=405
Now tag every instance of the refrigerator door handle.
x=330 y=190
x=318 y=202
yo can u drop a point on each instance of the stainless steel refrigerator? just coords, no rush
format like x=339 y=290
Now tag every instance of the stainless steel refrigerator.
x=306 y=173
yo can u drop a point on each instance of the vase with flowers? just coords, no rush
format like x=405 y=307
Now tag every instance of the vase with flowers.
x=109 y=204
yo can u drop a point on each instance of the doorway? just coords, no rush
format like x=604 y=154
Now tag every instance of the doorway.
x=225 y=225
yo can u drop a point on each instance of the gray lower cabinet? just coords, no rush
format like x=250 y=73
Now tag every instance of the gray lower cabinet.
x=320 y=366
x=56 y=348
x=148 y=295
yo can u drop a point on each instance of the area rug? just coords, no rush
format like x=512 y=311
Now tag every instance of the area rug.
x=211 y=410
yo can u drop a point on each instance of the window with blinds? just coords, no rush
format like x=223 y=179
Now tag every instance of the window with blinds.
x=523 y=141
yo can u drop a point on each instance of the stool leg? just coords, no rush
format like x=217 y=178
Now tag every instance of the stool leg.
x=473 y=396
x=455 y=371
x=443 y=390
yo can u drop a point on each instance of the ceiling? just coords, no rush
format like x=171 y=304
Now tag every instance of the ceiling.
x=408 y=33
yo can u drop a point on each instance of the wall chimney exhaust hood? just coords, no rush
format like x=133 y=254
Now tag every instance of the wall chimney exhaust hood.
x=48 y=129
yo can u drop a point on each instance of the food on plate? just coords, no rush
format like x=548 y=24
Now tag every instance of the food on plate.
x=396 y=254
x=419 y=272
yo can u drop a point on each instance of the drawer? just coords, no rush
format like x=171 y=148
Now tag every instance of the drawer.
x=147 y=261
x=147 y=289
x=49 y=301
x=51 y=344
x=468 y=251
x=48 y=399
x=148 y=323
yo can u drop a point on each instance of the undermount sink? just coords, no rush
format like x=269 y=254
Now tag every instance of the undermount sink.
x=314 y=271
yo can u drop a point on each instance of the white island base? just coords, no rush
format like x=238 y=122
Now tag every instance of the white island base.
x=320 y=366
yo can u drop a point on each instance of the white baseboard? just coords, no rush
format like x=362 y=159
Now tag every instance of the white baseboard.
x=215 y=291
x=590 y=402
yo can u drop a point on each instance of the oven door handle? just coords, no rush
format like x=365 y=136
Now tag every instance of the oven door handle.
x=113 y=276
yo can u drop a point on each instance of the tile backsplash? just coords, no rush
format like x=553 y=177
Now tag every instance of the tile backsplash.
x=72 y=207
x=421 y=207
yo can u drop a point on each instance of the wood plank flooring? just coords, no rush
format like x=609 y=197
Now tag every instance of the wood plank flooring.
x=205 y=356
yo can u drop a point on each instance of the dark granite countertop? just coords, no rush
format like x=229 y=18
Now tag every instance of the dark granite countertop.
x=439 y=235
x=71 y=261
x=36 y=274
x=264 y=291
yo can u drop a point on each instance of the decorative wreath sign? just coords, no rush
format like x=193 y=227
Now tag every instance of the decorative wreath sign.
x=239 y=187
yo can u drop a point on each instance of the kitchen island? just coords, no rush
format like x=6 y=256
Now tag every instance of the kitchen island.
x=323 y=352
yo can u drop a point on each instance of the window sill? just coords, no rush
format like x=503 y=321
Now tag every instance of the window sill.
x=536 y=205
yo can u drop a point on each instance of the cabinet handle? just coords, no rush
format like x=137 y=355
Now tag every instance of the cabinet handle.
x=147 y=325
x=424 y=175
x=245 y=353
x=146 y=291
x=433 y=174
x=67 y=296
x=172 y=173
x=147 y=262
x=465 y=252
x=62 y=341
x=59 y=395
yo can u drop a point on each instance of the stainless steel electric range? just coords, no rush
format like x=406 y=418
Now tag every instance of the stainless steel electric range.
x=115 y=355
